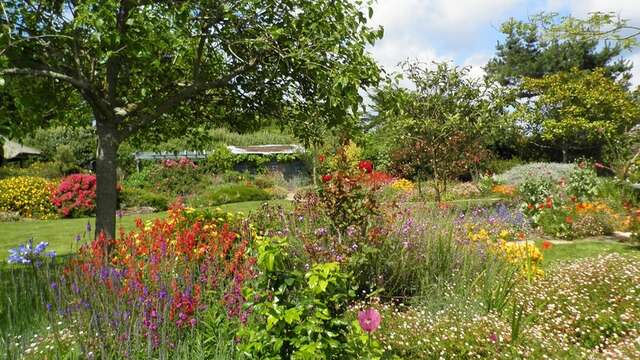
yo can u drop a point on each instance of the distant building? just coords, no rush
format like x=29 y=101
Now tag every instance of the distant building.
x=289 y=169
x=14 y=151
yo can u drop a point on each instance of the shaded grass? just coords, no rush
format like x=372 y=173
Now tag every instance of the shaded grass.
x=61 y=233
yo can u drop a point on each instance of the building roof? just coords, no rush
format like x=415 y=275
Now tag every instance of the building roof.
x=256 y=149
x=13 y=150
x=266 y=149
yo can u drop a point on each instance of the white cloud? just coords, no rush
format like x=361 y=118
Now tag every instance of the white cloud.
x=417 y=29
x=627 y=9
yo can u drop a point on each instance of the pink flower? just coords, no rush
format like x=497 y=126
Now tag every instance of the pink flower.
x=369 y=320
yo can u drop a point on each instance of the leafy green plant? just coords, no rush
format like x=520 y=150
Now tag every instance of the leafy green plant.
x=583 y=184
x=228 y=193
x=535 y=192
x=221 y=160
x=301 y=314
x=135 y=197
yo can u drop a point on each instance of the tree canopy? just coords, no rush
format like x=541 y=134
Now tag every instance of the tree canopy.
x=578 y=110
x=142 y=68
x=440 y=127
x=532 y=50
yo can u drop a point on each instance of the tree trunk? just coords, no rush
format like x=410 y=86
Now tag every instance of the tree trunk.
x=106 y=164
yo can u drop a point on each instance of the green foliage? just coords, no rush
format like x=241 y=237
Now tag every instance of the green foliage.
x=221 y=160
x=78 y=144
x=137 y=197
x=440 y=127
x=583 y=184
x=48 y=170
x=578 y=112
x=298 y=314
x=499 y=166
x=147 y=71
x=228 y=193
x=534 y=192
x=532 y=50
x=65 y=159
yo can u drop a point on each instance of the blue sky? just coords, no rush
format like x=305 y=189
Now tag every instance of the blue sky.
x=466 y=31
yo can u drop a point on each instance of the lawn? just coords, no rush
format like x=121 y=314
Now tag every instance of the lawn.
x=579 y=249
x=61 y=233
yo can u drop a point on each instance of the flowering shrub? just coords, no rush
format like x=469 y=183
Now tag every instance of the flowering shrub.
x=76 y=195
x=577 y=219
x=552 y=172
x=403 y=185
x=27 y=195
x=151 y=289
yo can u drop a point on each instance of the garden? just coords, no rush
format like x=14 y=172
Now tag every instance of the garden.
x=455 y=218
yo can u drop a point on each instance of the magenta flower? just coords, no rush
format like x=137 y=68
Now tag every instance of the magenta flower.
x=369 y=320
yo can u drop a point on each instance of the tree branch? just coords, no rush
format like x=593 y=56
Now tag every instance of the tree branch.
x=174 y=99
x=80 y=84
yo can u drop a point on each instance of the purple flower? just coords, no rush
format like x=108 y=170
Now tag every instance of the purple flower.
x=320 y=232
x=369 y=320
x=27 y=253
x=351 y=231
x=78 y=237
x=88 y=227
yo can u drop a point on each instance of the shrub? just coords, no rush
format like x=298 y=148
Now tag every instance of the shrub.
x=553 y=172
x=221 y=160
x=140 y=179
x=300 y=314
x=81 y=143
x=228 y=193
x=536 y=194
x=500 y=166
x=583 y=183
x=173 y=177
x=134 y=197
x=47 y=170
x=27 y=195
x=76 y=195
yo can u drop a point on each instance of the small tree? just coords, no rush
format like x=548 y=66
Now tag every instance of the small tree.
x=578 y=111
x=439 y=127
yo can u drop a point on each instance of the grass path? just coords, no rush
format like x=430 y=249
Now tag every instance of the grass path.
x=61 y=233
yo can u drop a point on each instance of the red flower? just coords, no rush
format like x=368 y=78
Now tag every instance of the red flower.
x=366 y=166
x=546 y=245
x=326 y=178
x=321 y=158
x=568 y=220
x=369 y=320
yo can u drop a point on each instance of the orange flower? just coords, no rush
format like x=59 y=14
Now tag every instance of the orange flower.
x=546 y=245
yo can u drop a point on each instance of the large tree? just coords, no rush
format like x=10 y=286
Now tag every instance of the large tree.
x=145 y=68
x=532 y=50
